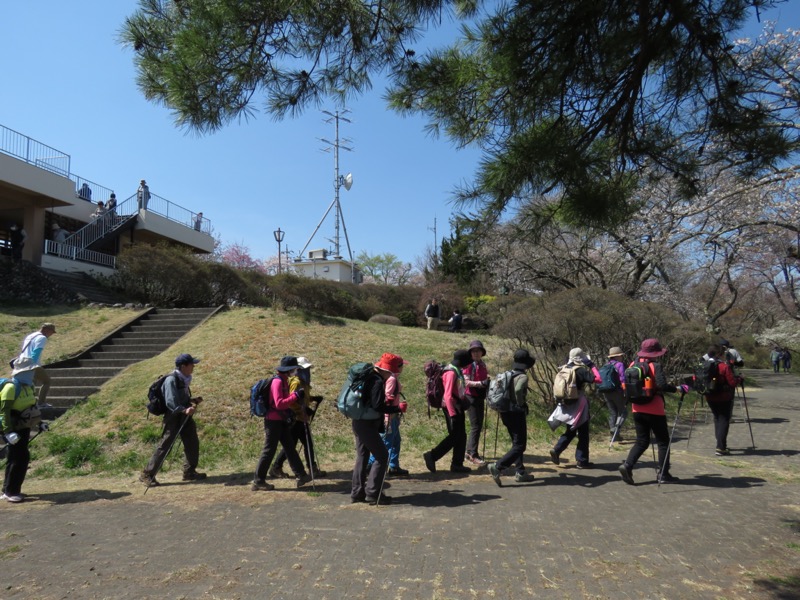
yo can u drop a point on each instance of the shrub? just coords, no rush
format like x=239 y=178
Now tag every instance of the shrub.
x=385 y=320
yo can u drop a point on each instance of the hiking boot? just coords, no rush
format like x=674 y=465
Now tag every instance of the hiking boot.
x=384 y=500
x=277 y=473
x=148 y=480
x=495 y=473
x=722 y=452
x=259 y=485
x=627 y=473
x=475 y=459
x=585 y=464
x=429 y=462
x=318 y=472
x=668 y=478
x=524 y=477
x=302 y=479
x=194 y=476
x=398 y=472
x=357 y=499
x=620 y=438
x=554 y=457
x=13 y=498
x=460 y=469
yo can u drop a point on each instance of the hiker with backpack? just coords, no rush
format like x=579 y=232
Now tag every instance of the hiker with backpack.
x=19 y=415
x=391 y=422
x=278 y=422
x=573 y=406
x=732 y=356
x=178 y=421
x=32 y=347
x=363 y=399
x=454 y=404
x=301 y=428
x=515 y=419
x=476 y=380
x=647 y=404
x=613 y=374
x=720 y=385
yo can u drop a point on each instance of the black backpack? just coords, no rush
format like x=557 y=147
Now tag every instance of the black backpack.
x=156 y=403
x=639 y=384
x=707 y=379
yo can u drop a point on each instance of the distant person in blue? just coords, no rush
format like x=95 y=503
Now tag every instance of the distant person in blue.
x=198 y=221
x=85 y=193
x=455 y=321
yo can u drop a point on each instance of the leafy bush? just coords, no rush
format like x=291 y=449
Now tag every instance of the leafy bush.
x=385 y=320
x=407 y=318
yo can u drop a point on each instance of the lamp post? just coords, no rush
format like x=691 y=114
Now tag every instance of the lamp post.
x=279 y=238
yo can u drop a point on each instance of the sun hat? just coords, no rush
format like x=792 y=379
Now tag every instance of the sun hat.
x=303 y=363
x=477 y=344
x=461 y=358
x=615 y=351
x=390 y=362
x=288 y=363
x=522 y=360
x=576 y=355
x=651 y=348
x=186 y=359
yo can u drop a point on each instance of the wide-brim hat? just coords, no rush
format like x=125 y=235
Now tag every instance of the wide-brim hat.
x=390 y=362
x=288 y=363
x=23 y=364
x=476 y=344
x=651 y=348
x=615 y=351
x=303 y=363
x=523 y=360
x=186 y=359
x=576 y=355
x=461 y=358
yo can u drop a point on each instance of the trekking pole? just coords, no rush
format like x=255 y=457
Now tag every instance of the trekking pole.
x=691 y=423
x=172 y=443
x=383 y=481
x=671 y=435
x=496 y=433
x=310 y=456
x=485 y=416
x=747 y=413
x=616 y=430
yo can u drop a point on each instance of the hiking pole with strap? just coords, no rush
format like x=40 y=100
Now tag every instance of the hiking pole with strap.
x=496 y=433
x=747 y=414
x=671 y=435
x=164 y=458
x=694 y=414
x=616 y=430
x=383 y=481
x=310 y=456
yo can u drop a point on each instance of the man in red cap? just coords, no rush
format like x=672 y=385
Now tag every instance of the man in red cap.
x=650 y=417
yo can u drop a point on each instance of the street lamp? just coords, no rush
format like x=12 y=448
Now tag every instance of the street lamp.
x=279 y=238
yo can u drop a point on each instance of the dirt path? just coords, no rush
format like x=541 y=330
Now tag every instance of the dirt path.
x=729 y=529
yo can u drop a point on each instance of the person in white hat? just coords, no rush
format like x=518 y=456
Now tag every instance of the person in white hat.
x=32 y=347
x=16 y=399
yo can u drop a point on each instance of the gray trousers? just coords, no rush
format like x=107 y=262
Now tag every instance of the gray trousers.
x=367 y=480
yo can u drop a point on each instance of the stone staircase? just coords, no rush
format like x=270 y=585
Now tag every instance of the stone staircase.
x=74 y=379
x=84 y=286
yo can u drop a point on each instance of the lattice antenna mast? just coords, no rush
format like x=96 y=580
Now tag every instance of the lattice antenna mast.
x=339 y=180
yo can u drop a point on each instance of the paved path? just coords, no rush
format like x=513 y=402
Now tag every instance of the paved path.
x=726 y=530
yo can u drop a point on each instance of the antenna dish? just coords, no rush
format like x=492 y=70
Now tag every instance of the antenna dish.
x=348 y=181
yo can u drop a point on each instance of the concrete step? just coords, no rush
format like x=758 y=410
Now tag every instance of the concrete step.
x=125 y=354
x=107 y=362
x=89 y=371
x=59 y=392
x=159 y=346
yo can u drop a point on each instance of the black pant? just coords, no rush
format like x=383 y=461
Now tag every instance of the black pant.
x=582 y=451
x=19 y=457
x=517 y=427
x=645 y=425
x=456 y=440
x=191 y=445
x=301 y=432
x=723 y=411
x=476 y=413
x=278 y=432
x=367 y=480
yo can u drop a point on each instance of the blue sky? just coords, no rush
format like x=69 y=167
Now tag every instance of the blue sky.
x=69 y=84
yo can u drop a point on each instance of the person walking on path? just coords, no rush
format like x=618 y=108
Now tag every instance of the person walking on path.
x=576 y=414
x=775 y=358
x=615 y=399
x=433 y=314
x=476 y=379
x=650 y=418
x=32 y=347
x=515 y=421
x=301 y=428
x=786 y=357
x=277 y=426
x=178 y=420
x=16 y=400
x=721 y=401
x=368 y=480
x=453 y=405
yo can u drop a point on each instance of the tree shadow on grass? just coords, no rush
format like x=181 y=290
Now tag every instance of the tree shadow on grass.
x=309 y=317
x=781 y=587
x=76 y=497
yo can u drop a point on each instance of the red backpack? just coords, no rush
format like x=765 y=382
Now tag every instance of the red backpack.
x=434 y=386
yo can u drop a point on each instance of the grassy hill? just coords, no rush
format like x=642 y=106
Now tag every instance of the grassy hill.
x=110 y=432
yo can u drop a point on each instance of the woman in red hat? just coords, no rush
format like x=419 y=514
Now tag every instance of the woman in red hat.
x=650 y=418
x=392 y=364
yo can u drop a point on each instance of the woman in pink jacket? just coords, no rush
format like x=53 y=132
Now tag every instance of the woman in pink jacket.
x=453 y=405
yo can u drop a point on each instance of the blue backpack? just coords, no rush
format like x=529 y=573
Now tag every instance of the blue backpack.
x=610 y=377
x=5 y=380
x=259 y=397
x=350 y=401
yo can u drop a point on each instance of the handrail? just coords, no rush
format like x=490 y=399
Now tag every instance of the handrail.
x=96 y=192
x=64 y=250
x=175 y=212
x=100 y=226
x=34 y=152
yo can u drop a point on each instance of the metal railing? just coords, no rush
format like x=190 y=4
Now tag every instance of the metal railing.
x=33 y=152
x=65 y=250
x=90 y=191
x=174 y=212
x=100 y=226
